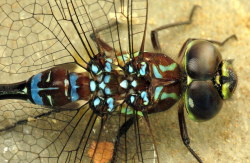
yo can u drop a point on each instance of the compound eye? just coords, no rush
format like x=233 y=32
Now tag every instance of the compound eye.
x=202 y=60
x=202 y=100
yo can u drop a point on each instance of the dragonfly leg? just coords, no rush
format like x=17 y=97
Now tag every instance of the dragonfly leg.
x=123 y=130
x=223 y=42
x=184 y=132
x=154 y=33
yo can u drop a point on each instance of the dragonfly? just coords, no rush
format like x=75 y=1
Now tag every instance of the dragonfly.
x=84 y=87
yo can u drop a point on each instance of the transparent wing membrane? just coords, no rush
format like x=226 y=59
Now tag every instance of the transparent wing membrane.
x=33 y=39
x=40 y=34
x=16 y=112
x=137 y=144
x=78 y=136
x=119 y=26
x=36 y=35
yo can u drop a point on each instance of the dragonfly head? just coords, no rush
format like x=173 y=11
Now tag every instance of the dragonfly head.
x=210 y=80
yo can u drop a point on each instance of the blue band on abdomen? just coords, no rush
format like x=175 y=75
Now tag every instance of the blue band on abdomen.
x=35 y=89
x=73 y=78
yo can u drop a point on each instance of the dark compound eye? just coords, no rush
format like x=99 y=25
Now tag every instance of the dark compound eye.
x=202 y=100
x=202 y=60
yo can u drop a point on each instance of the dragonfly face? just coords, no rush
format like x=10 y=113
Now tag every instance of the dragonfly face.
x=210 y=80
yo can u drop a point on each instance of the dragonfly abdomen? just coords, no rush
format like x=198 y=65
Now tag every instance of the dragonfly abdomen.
x=13 y=91
x=58 y=87
x=54 y=87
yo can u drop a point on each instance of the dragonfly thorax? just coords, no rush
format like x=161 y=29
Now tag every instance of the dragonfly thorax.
x=148 y=82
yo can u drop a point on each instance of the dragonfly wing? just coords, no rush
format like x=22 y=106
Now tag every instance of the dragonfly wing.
x=68 y=136
x=52 y=138
x=135 y=141
x=18 y=112
x=119 y=27
x=38 y=35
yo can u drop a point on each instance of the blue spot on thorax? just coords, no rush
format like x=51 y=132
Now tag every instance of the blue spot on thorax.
x=132 y=99
x=97 y=101
x=102 y=85
x=124 y=84
x=130 y=69
x=157 y=92
x=107 y=91
x=143 y=69
x=94 y=69
x=144 y=96
x=156 y=72
x=108 y=67
x=134 y=83
x=107 y=79
x=110 y=102
x=92 y=86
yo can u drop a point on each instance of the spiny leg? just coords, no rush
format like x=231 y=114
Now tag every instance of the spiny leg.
x=225 y=41
x=219 y=43
x=122 y=131
x=138 y=139
x=184 y=132
x=154 y=33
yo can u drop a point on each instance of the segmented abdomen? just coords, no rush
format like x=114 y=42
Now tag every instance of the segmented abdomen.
x=57 y=87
